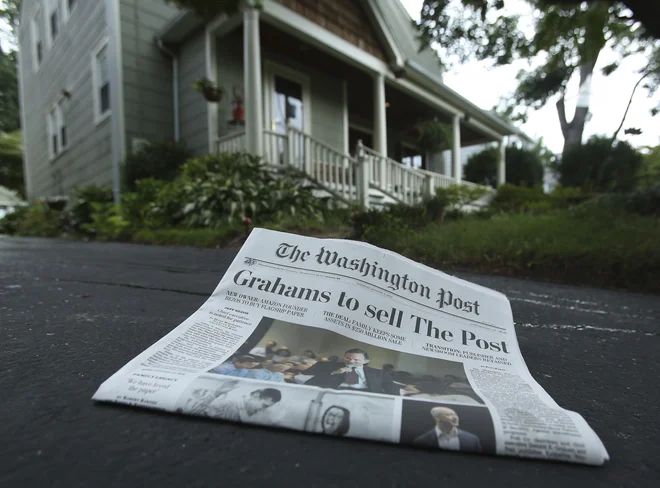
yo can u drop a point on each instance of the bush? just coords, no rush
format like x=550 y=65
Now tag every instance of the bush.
x=512 y=198
x=212 y=191
x=108 y=223
x=157 y=160
x=80 y=208
x=598 y=167
x=524 y=167
x=9 y=224
x=37 y=220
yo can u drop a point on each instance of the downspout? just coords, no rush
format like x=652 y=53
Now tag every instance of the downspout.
x=175 y=84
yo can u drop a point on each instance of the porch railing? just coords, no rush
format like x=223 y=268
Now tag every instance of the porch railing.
x=340 y=174
x=394 y=179
x=234 y=142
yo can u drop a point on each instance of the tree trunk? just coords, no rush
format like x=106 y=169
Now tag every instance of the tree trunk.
x=573 y=130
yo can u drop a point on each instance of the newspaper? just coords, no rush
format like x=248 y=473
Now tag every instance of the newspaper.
x=343 y=338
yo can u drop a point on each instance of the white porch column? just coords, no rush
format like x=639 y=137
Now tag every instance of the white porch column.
x=380 y=117
x=501 y=167
x=456 y=149
x=254 y=124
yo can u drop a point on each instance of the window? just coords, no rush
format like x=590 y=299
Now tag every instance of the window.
x=66 y=9
x=53 y=13
x=57 y=133
x=101 y=81
x=37 y=42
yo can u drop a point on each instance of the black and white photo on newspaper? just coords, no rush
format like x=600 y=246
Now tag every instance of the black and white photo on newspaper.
x=345 y=339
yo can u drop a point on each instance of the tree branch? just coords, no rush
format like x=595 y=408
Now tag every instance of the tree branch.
x=625 y=114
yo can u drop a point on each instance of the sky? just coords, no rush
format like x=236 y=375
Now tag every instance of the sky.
x=484 y=86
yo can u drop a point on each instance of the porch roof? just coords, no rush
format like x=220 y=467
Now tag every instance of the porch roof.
x=422 y=68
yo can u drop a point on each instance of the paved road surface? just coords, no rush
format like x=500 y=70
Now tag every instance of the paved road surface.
x=71 y=314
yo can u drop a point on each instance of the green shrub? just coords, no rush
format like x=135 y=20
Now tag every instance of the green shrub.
x=212 y=191
x=512 y=198
x=597 y=166
x=108 y=223
x=159 y=160
x=38 y=220
x=9 y=224
x=80 y=208
x=524 y=167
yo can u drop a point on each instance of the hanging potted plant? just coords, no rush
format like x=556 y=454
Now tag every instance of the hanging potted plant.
x=434 y=136
x=209 y=90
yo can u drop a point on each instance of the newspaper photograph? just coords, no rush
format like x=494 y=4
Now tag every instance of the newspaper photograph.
x=345 y=339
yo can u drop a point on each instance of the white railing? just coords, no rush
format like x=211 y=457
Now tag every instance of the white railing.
x=341 y=174
x=329 y=167
x=234 y=142
x=393 y=178
x=439 y=180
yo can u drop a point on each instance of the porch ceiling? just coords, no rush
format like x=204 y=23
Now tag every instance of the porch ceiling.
x=404 y=110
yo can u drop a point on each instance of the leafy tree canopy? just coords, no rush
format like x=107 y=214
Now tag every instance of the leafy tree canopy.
x=523 y=167
x=562 y=40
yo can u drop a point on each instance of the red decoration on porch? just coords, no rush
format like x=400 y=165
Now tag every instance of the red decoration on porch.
x=237 y=111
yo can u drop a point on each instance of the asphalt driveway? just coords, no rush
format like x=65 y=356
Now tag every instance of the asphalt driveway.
x=72 y=313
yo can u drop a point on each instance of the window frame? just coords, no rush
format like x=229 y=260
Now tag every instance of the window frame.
x=96 y=88
x=53 y=6
x=57 y=127
x=35 y=33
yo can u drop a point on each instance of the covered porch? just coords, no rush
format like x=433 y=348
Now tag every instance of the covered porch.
x=309 y=100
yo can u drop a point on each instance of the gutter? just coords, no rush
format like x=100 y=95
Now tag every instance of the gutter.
x=175 y=85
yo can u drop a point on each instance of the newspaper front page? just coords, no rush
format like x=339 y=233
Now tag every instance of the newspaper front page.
x=343 y=338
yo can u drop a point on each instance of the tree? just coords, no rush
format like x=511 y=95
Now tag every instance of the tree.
x=567 y=41
x=9 y=109
x=11 y=162
x=523 y=167
x=600 y=167
x=649 y=173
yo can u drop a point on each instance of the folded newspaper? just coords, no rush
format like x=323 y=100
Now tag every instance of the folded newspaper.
x=346 y=339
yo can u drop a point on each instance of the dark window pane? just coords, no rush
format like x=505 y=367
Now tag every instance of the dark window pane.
x=63 y=136
x=54 y=25
x=39 y=51
x=72 y=3
x=105 y=98
x=55 y=144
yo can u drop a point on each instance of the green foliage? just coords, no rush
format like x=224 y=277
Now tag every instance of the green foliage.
x=158 y=160
x=36 y=220
x=567 y=38
x=590 y=248
x=458 y=196
x=11 y=162
x=434 y=136
x=214 y=190
x=649 y=173
x=80 y=209
x=596 y=166
x=523 y=167
x=9 y=224
x=514 y=199
x=108 y=223
x=10 y=119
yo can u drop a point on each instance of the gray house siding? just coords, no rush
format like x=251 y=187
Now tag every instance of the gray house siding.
x=147 y=71
x=229 y=52
x=66 y=65
x=193 y=108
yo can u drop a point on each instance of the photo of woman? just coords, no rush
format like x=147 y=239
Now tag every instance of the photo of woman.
x=336 y=420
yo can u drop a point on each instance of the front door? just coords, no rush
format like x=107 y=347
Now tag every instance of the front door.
x=287 y=104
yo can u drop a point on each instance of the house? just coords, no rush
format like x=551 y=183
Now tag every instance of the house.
x=98 y=78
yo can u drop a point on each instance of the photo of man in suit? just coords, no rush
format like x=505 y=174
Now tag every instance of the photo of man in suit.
x=446 y=434
x=352 y=374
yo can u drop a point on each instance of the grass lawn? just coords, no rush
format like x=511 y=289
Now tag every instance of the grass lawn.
x=608 y=251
